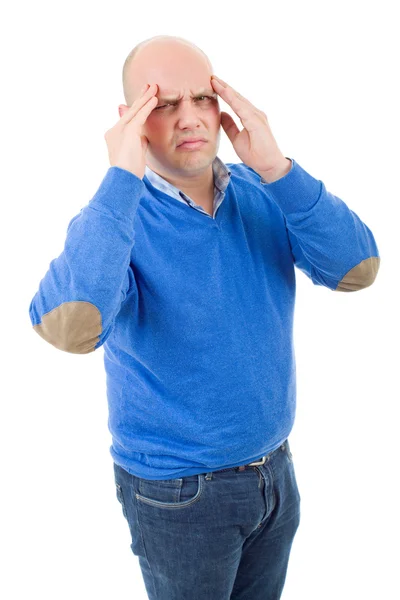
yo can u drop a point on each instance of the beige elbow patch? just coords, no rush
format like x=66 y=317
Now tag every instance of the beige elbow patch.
x=73 y=327
x=360 y=276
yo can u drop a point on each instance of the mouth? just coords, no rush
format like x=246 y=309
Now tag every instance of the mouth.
x=192 y=145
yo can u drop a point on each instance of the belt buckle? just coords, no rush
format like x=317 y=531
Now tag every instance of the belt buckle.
x=257 y=463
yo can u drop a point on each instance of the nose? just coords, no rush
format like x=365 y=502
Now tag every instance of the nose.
x=188 y=111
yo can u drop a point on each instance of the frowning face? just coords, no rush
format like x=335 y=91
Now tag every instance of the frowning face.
x=187 y=108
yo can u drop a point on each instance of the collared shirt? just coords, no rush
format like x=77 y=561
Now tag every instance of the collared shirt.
x=222 y=175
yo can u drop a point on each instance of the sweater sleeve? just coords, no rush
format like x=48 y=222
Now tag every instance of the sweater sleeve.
x=82 y=292
x=328 y=240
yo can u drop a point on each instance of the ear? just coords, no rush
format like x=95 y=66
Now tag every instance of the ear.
x=122 y=108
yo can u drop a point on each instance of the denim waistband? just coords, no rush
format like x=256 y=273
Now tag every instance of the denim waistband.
x=250 y=465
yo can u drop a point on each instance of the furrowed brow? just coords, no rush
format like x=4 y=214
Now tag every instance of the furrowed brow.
x=202 y=92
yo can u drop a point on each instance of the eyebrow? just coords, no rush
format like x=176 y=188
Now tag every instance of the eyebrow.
x=202 y=92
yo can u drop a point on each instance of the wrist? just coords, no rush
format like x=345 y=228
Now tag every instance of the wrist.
x=277 y=172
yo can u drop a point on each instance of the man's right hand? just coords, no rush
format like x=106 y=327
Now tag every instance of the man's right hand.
x=127 y=145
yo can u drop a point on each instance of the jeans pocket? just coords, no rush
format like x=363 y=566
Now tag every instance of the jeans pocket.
x=171 y=493
x=120 y=496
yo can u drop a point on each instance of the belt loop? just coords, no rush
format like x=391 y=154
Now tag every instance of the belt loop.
x=208 y=476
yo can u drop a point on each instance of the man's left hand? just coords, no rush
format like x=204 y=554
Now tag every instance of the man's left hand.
x=255 y=145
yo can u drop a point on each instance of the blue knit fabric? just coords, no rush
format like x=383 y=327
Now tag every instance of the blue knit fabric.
x=197 y=312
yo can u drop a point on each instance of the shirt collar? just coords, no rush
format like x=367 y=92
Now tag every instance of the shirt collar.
x=222 y=175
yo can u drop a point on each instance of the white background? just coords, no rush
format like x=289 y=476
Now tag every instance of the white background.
x=326 y=76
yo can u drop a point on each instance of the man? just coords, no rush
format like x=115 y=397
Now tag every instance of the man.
x=183 y=270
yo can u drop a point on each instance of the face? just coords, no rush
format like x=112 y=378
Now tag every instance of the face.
x=187 y=107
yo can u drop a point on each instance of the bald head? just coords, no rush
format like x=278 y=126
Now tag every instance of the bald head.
x=165 y=59
x=187 y=105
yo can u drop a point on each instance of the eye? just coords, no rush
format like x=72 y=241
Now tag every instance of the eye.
x=164 y=105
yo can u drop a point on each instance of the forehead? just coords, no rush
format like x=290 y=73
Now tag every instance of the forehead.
x=178 y=74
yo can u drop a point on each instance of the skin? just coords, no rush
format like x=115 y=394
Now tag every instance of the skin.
x=179 y=71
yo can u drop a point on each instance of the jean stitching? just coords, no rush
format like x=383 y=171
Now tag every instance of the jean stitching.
x=174 y=505
x=144 y=545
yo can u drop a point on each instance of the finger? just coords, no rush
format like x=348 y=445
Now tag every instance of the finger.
x=236 y=101
x=225 y=90
x=146 y=95
x=219 y=81
x=143 y=113
x=222 y=85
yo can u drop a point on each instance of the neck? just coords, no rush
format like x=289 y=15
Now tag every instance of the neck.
x=196 y=186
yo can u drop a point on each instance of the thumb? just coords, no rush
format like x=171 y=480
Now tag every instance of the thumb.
x=229 y=126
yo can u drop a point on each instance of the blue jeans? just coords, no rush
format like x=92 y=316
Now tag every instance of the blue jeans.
x=224 y=535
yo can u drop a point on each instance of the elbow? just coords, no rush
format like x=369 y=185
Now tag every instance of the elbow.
x=73 y=327
x=361 y=276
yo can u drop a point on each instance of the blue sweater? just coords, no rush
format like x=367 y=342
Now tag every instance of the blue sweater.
x=195 y=311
